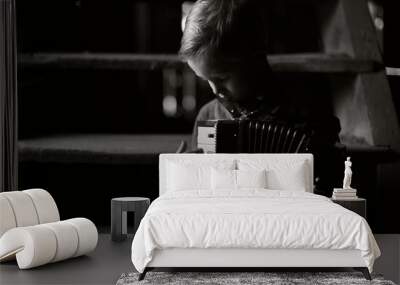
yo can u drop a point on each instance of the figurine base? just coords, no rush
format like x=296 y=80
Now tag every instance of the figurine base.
x=344 y=190
x=344 y=194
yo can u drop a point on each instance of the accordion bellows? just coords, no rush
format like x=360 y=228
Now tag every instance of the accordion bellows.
x=247 y=136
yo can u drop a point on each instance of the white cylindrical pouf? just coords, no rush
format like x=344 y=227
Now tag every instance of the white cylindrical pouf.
x=40 y=244
x=7 y=218
x=67 y=239
x=23 y=208
x=45 y=205
x=34 y=246
x=87 y=233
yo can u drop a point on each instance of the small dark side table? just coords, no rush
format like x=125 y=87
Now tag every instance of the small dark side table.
x=358 y=205
x=119 y=209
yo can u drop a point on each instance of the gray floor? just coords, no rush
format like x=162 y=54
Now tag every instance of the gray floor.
x=389 y=262
x=103 y=266
x=110 y=260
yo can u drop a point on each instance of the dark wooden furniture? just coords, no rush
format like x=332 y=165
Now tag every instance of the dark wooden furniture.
x=119 y=209
x=358 y=205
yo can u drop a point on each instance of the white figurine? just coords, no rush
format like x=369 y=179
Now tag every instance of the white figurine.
x=347 y=174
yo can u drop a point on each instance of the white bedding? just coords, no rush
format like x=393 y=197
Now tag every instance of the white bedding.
x=252 y=218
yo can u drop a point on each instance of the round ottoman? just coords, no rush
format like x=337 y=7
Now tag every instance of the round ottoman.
x=119 y=209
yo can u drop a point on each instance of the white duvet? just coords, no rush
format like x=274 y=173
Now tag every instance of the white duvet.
x=250 y=219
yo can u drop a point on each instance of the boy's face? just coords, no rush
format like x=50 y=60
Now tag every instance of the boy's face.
x=233 y=80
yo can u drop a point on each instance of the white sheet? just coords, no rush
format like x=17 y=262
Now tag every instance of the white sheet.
x=252 y=218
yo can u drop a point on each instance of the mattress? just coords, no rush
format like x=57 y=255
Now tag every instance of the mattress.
x=251 y=219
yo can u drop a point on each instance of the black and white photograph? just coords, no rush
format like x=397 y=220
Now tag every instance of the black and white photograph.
x=199 y=142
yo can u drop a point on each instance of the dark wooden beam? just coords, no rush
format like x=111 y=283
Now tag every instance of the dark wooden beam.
x=99 y=61
x=321 y=63
x=309 y=62
x=99 y=148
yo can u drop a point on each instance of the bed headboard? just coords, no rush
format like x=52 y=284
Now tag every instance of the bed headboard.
x=215 y=157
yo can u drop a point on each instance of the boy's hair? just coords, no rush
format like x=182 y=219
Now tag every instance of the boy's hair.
x=224 y=27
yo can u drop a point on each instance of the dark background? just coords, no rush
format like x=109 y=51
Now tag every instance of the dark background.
x=68 y=100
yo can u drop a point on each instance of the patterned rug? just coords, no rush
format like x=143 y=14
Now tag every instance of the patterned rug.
x=243 y=278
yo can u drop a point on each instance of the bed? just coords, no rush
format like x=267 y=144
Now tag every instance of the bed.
x=245 y=211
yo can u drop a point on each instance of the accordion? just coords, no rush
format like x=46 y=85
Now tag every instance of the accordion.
x=248 y=136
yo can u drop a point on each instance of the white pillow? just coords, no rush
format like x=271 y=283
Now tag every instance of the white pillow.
x=293 y=179
x=223 y=179
x=191 y=175
x=288 y=175
x=251 y=178
x=226 y=179
x=187 y=177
